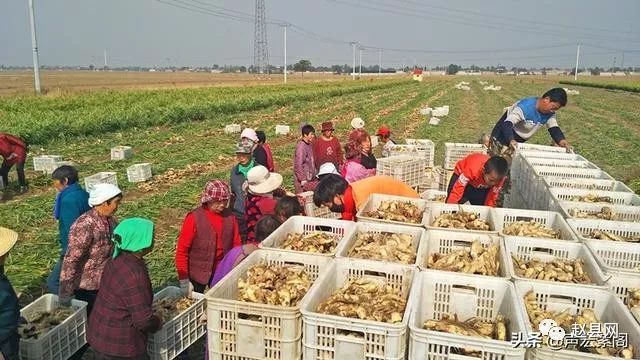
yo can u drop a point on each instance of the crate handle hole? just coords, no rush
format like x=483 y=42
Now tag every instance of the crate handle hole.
x=329 y=229
x=465 y=289
x=462 y=243
x=562 y=299
x=524 y=218
x=250 y=317
x=350 y=333
x=542 y=250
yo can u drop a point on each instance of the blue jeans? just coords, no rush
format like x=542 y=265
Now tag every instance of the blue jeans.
x=53 y=281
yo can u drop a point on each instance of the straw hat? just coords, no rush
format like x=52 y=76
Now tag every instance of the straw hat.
x=261 y=181
x=8 y=238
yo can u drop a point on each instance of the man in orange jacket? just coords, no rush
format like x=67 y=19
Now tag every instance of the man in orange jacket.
x=13 y=150
x=478 y=179
x=339 y=196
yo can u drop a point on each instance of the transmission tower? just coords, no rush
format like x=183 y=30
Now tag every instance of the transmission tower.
x=260 y=47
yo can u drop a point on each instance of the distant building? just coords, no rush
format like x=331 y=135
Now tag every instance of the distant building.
x=469 y=72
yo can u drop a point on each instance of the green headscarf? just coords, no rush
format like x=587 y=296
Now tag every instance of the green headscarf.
x=245 y=169
x=134 y=234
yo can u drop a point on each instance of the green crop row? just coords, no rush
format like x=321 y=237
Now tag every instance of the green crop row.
x=609 y=86
x=40 y=119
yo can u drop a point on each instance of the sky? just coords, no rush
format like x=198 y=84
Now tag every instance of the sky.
x=531 y=33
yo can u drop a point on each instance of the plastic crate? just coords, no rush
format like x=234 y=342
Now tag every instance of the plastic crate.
x=622 y=212
x=139 y=172
x=310 y=209
x=437 y=293
x=405 y=168
x=620 y=284
x=374 y=200
x=44 y=162
x=571 y=173
x=232 y=129
x=180 y=332
x=425 y=149
x=558 y=297
x=617 y=198
x=542 y=148
x=445 y=177
x=244 y=330
x=483 y=212
x=432 y=194
x=550 y=155
x=417 y=237
x=447 y=241
x=588 y=184
x=616 y=257
x=121 y=152
x=583 y=227
x=305 y=225
x=457 y=151
x=51 y=167
x=545 y=250
x=561 y=163
x=553 y=220
x=282 y=129
x=335 y=337
x=103 y=177
x=63 y=340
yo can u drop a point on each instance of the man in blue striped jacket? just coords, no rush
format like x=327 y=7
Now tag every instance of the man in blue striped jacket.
x=521 y=120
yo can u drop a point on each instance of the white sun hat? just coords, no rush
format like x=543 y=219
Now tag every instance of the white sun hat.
x=357 y=123
x=327 y=168
x=261 y=181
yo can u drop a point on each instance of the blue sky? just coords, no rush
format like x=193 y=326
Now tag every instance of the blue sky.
x=435 y=32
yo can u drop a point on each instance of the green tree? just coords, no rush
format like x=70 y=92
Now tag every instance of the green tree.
x=302 y=65
x=452 y=69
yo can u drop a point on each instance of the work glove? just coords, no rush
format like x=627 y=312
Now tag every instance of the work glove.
x=186 y=287
x=64 y=302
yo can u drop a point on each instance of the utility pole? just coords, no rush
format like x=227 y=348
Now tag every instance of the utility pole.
x=353 y=67
x=260 y=46
x=360 y=70
x=379 y=62
x=285 y=52
x=34 y=45
x=575 y=76
x=105 y=59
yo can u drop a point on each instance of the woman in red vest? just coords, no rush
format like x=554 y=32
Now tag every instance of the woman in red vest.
x=207 y=234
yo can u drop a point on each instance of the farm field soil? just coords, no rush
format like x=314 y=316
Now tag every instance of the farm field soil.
x=603 y=125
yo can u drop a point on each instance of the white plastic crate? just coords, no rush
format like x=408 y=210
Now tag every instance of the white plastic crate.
x=583 y=227
x=180 y=332
x=238 y=329
x=572 y=173
x=432 y=194
x=561 y=163
x=437 y=293
x=417 y=236
x=63 y=340
x=544 y=148
x=553 y=220
x=422 y=148
x=405 y=168
x=44 y=162
x=616 y=257
x=51 y=167
x=445 y=177
x=558 y=297
x=139 y=172
x=310 y=209
x=457 y=151
x=483 y=212
x=374 y=200
x=622 y=212
x=617 y=198
x=121 y=152
x=282 y=129
x=305 y=225
x=335 y=337
x=545 y=250
x=232 y=129
x=426 y=111
x=550 y=155
x=448 y=241
x=620 y=284
x=588 y=184
x=103 y=177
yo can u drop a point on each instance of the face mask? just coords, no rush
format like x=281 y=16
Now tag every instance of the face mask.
x=337 y=208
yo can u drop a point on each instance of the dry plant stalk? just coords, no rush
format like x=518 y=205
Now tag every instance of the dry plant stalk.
x=384 y=246
x=477 y=259
x=274 y=285
x=365 y=299
x=395 y=210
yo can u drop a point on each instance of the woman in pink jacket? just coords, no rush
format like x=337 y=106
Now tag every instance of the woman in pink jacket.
x=356 y=150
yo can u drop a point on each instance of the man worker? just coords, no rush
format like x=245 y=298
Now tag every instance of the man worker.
x=521 y=121
x=339 y=196
x=13 y=150
x=478 y=179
